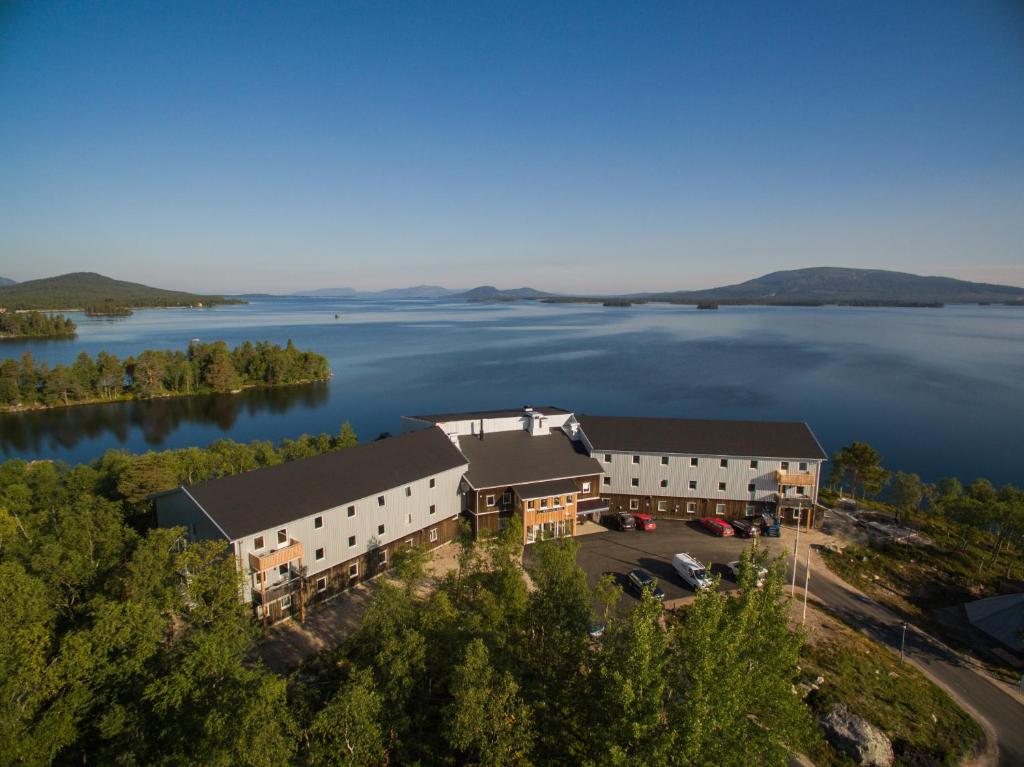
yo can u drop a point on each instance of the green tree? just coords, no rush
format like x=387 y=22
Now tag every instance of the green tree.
x=862 y=464
x=908 y=492
x=347 y=732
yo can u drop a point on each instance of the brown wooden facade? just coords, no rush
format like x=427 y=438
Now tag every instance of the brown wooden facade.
x=504 y=504
x=670 y=507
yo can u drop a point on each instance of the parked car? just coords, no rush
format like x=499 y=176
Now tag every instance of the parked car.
x=693 y=573
x=770 y=526
x=624 y=521
x=717 y=526
x=639 y=580
x=595 y=630
x=745 y=529
x=644 y=522
x=734 y=571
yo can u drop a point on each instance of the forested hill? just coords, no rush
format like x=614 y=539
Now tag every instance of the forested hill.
x=5 y=281
x=836 y=284
x=81 y=289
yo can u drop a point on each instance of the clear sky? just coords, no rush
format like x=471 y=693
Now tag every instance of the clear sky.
x=576 y=147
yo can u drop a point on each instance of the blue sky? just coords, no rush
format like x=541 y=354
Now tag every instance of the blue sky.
x=576 y=147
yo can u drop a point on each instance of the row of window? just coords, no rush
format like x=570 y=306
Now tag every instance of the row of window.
x=722 y=488
x=259 y=542
x=691 y=507
x=722 y=462
x=506 y=497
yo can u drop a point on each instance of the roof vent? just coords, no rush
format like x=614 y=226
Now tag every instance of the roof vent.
x=527 y=408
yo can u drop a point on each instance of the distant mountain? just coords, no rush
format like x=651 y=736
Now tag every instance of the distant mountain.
x=5 y=281
x=491 y=293
x=826 y=284
x=81 y=289
x=418 y=291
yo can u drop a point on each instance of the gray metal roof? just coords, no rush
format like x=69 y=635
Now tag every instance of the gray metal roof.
x=690 y=436
x=472 y=415
x=546 y=489
x=257 y=500
x=508 y=458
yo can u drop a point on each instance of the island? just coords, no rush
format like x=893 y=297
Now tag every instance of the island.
x=201 y=369
x=34 y=324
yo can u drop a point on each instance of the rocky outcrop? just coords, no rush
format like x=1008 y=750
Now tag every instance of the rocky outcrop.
x=856 y=738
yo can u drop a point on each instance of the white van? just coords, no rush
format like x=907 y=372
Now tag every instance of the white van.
x=691 y=571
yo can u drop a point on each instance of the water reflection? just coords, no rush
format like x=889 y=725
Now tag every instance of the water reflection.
x=155 y=420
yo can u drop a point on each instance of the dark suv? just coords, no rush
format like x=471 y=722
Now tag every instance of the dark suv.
x=745 y=529
x=639 y=580
x=624 y=521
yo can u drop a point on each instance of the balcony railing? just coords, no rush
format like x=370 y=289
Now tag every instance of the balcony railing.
x=276 y=558
x=795 y=479
x=276 y=591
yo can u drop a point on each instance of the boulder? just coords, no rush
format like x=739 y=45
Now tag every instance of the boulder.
x=856 y=738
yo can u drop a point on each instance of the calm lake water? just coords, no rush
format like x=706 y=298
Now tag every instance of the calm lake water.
x=938 y=391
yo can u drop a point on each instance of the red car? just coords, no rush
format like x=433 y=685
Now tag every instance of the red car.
x=644 y=522
x=718 y=526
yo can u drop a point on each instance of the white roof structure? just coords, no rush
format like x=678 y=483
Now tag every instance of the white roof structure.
x=1002 y=618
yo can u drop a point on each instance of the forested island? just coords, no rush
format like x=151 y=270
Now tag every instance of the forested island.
x=201 y=369
x=35 y=325
x=82 y=290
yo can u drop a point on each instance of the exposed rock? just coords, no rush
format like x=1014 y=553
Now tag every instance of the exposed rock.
x=856 y=738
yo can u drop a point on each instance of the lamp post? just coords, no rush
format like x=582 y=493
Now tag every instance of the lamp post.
x=903 y=640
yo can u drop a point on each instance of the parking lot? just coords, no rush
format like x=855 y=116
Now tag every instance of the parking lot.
x=618 y=552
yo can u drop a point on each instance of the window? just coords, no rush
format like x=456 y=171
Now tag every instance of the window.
x=318 y=554
x=606 y=480
x=800 y=490
x=691 y=507
x=664 y=483
x=382 y=557
x=607 y=457
x=664 y=460
x=543 y=503
x=785 y=465
x=282 y=536
x=749 y=511
x=351 y=511
x=693 y=484
x=353 y=570
x=286 y=601
x=351 y=541
x=282 y=569
x=380 y=500
x=490 y=500
x=721 y=487
x=750 y=487
x=636 y=459
x=380 y=529
x=753 y=464
x=408 y=492
x=433 y=535
x=433 y=508
x=693 y=461
x=634 y=504
x=585 y=488
x=433 y=482
x=408 y=519
x=257 y=542
x=318 y=522
x=803 y=466
x=506 y=498
x=662 y=505
x=634 y=482
x=724 y=463
x=531 y=504
x=720 y=509
x=321 y=584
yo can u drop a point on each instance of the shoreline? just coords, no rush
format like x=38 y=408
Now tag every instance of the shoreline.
x=22 y=409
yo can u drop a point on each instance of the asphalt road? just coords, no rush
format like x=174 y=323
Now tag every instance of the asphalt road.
x=619 y=552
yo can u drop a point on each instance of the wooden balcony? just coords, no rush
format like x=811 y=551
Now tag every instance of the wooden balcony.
x=795 y=479
x=276 y=591
x=261 y=562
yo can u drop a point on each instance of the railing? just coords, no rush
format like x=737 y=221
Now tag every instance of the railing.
x=276 y=558
x=277 y=591
x=796 y=479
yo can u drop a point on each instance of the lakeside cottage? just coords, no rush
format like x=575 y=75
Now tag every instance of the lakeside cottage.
x=303 y=531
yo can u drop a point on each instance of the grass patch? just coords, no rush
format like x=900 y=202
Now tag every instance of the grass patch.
x=925 y=725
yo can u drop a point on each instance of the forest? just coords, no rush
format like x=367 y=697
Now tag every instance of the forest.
x=126 y=645
x=35 y=324
x=201 y=369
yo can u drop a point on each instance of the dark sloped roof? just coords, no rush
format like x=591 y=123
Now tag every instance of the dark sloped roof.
x=514 y=457
x=441 y=417
x=546 y=489
x=264 y=498
x=776 y=439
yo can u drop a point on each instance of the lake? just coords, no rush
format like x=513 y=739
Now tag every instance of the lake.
x=937 y=391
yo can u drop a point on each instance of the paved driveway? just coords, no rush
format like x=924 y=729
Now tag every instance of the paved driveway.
x=619 y=552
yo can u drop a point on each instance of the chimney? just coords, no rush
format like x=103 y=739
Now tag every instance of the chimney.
x=481 y=429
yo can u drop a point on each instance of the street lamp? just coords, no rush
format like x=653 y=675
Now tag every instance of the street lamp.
x=903 y=640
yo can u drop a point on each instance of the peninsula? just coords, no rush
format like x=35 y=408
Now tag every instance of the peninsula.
x=201 y=369
x=82 y=290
